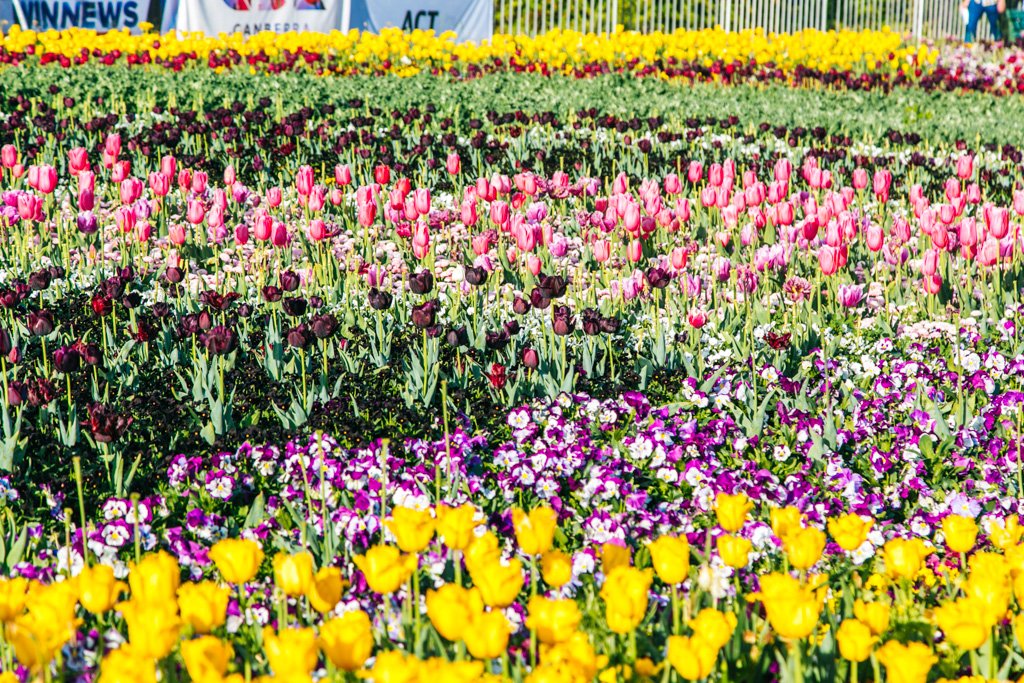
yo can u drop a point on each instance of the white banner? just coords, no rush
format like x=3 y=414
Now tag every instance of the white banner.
x=253 y=16
x=101 y=15
x=469 y=19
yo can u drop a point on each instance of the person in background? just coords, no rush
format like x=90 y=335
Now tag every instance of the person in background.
x=991 y=9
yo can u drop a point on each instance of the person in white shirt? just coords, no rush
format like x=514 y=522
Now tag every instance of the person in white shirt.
x=990 y=8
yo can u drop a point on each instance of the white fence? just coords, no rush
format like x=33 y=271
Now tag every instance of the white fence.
x=922 y=19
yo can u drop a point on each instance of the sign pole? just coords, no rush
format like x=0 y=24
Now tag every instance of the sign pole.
x=20 y=15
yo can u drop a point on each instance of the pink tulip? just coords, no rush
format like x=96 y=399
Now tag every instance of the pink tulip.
x=176 y=233
x=533 y=263
x=29 y=207
x=968 y=232
x=304 y=180
x=932 y=284
x=130 y=190
x=850 y=296
x=196 y=212
x=8 y=156
x=828 y=259
x=159 y=184
x=229 y=177
x=47 y=181
x=783 y=171
x=342 y=175
x=199 y=182
x=988 y=255
x=952 y=188
x=17 y=170
x=697 y=318
x=168 y=165
x=679 y=258
x=215 y=217
x=241 y=234
x=143 y=231
x=78 y=160
x=316 y=199
x=86 y=200
x=940 y=237
x=280 y=237
x=974 y=193
x=634 y=250
x=317 y=230
x=453 y=164
x=875 y=237
x=421 y=234
x=125 y=218
x=499 y=212
x=382 y=174
x=274 y=197
x=881 y=184
x=481 y=244
x=694 y=172
x=716 y=175
x=184 y=180
x=337 y=196
x=672 y=184
x=998 y=222
x=602 y=250
x=730 y=216
x=468 y=213
x=860 y=178
x=930 y=262
x=367 y=214
x=965 y=167
x=621 y=184
x=682 y=210
x=1018 y=202
x=264 y=226
x=422 y=200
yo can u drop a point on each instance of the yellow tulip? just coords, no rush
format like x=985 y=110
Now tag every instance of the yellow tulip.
x=48 y=625
x=124 y=665
x=692 y=658
x=293 y=574
x=556 y=568
x=849 y=531
x=206 y=658
x=394 y=666
x=713 y=626
x=348 y=640
x=535 y=532
x=385 y=568
x=961 y=533
x=734 y=550
x=290 y=652
x=325 y=590
x=455 y=525
x=1007 y=535
x=483 y=550
x=153 y=628
x=13 y=593
x=792 y=608
x=625 y=595
x=450 y=609
x=963 y=623
x=574 y=657
x=671 y=558
x=804 y=547
x=614 y=556
x=413 y=529
x=989 y=585
x=554 y=621
x=784 y=520
x=155 y=579
x=487 y=635
x=906 y=663
x=874 y=614
x=98 y=590
x=499 y=582
x=732 y=510
x=443 y=671
x=855 y=640
x=904 y=557
x=237 y=559
x=203 y=605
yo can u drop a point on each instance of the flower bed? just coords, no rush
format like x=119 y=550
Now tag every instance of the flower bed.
x=299 y=385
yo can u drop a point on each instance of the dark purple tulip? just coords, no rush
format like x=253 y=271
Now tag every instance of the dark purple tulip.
x=5 y=343
x=66 y=359
x=425 y=314
x=271 y=294
x=421 y=283
x=379 y=301
x=40 y=323
x=39 y=280
x=161 y=310
x=17 y=393
x=476 y=276
x=658 y=278
x=205 y=321
x=105 y=424
x=219 y=341
x=174 y=275
x=41 y=392
x=563 y=323
x=520 y=306
x=299 y=336
x=324 y=326
x=552 y=286
x=289 y=281
x=457 y=337
x=294 y=306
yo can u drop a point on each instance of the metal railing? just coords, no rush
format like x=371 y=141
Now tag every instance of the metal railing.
x=922 y=19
